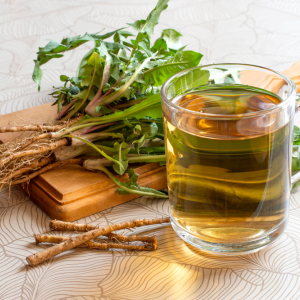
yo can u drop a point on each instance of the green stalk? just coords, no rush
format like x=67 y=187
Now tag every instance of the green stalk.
x=74 y=111
x=117 y=116
x=129 y=190
x=96 y=136
x=96 y=148
x=112 y=97
x=84 y=125
x=147 y=158
x=160 y=135
x=59 y=102
x=114 y=128
x=132 y=158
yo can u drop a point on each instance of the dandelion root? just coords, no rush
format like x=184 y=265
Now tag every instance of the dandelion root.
x=77 y=161
x=48 y=128
x=41 y=149
x=93 y=245
x=35 y=165
x=87 y=236
x=67 y=226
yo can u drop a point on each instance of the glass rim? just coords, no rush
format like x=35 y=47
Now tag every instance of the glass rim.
x=290 y=83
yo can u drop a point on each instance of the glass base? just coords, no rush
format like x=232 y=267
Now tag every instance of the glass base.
x=229 y=249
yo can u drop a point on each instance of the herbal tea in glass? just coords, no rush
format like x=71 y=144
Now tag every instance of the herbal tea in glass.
x=228 y=166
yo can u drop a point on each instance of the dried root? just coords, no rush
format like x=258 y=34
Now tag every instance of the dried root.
x=86 y=237
x=52 y=239
x=43 y=128
x=67 y=226
x=40 y=149
x=29 y=154
x=33 y=166
x=76 y=161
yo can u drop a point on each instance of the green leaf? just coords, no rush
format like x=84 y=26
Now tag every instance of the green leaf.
x=115 y=95
x=184 y=60
x=145 y=45
x=296 y=158
x=172 y=38
x=149 y=130
x=52 y=47
x=83 y=62
x=81 y=95
x=103 y=109
x=159 y=46
x=133 y=187
x=124 y=33
x=115 y=59
x=152 y=150
x=139 y=38
x=139 y=143
x=37 y=74
x=75 y=80
x=296 y=133
x=123 y=55
x=113 y=47
x=121 y=157
x=152 y=19
x=148 y=107
x=106 y=35
x=93 y=60
x=121 y=37
x=193 y=79
x=74 y=42
x=64 y=78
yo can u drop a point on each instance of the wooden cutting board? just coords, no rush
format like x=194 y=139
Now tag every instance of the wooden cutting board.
x=70 y=192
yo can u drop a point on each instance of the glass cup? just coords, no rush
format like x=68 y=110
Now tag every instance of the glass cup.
x=229 y=175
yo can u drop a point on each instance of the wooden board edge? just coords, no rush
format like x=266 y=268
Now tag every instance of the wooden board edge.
x=90 y=205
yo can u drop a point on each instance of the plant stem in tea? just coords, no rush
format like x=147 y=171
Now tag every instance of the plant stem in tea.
x=228 y=178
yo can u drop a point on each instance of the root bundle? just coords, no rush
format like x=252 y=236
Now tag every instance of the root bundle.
x=92 y=232
x=28 y=157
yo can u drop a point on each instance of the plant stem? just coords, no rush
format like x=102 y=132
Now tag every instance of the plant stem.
x=115 y=95
x=96 y=148
x=128 y=104
x=118 y=184
x=92 y=164
x=74 y=111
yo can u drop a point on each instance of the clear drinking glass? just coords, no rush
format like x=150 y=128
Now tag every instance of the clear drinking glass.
x=229 y=174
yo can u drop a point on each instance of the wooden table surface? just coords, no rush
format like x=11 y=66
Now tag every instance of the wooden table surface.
x=250 y=31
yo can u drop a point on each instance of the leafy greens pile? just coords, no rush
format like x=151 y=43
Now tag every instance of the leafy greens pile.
x=117 y=87
x=128 y=70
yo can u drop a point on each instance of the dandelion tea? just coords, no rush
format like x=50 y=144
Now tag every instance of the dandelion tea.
x=228 y=178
